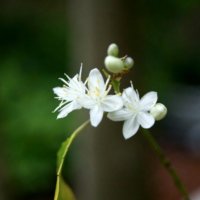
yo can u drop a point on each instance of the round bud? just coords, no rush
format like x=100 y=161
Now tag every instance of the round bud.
x=113 y=50
x=113 y=64
x=159 y=111
x=129 y=62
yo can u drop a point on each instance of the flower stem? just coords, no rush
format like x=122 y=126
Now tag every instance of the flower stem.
x=116 y=86
x=62 y=152
x=167 y=164
x=65 y=146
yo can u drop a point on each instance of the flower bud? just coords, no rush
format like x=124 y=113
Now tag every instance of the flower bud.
x=129 y=62
x=159 y=111
x=113 y=64
x=113 y=50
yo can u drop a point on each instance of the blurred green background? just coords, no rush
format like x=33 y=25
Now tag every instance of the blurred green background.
x=38 y=43
x=34 y=53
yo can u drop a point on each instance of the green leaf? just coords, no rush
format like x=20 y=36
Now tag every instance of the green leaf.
x=65 y=146
x=63 y=191
x=61 y=187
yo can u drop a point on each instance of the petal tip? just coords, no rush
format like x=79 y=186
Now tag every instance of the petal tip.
x=94 y=125
x=125 y=137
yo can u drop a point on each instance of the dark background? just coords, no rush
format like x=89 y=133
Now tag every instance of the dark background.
x=42 y=40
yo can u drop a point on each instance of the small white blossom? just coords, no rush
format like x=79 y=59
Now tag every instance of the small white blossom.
x=135 y=111
x=97 y=98
x=128 y=63
x=158 y=111
x=113 y=50
x=70 y=95
x=114 y=64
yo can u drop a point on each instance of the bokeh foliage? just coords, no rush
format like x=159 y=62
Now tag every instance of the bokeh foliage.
x=33 y=54
x=35 y=50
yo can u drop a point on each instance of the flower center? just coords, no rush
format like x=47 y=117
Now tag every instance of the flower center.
x=97 y=92
x=134 y=108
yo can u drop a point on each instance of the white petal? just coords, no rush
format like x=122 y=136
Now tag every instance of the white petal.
x=120 y=115
x=75 y=83
x=60 y=92
x=146 y=120
x=87 y=102
x=130 y=95
x=67 y=109
x=112 y=103
x=96 y=115
x=95 y=80
x=62 y=103
x=130 y=127
x=148 y=100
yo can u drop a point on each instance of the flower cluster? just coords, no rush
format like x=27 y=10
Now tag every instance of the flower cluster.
x=93 y=94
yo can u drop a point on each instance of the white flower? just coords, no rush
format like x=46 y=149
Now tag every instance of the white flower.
x=70 y=94
x=135 y=111
x=97 y=98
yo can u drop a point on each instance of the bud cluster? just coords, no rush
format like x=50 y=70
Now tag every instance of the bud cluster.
x=114 y=64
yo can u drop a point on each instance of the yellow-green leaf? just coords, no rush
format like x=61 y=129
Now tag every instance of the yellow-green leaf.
x=63 y=191
x=65 y=146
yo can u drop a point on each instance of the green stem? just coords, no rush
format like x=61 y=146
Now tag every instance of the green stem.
x=62 y=152
x=167 y=164
x=65 y=146
x=116 y=86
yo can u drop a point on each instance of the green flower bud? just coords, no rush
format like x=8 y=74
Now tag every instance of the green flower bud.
x=129 y=62
x=113 y=64
x=113 y=50
x=159 y=111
